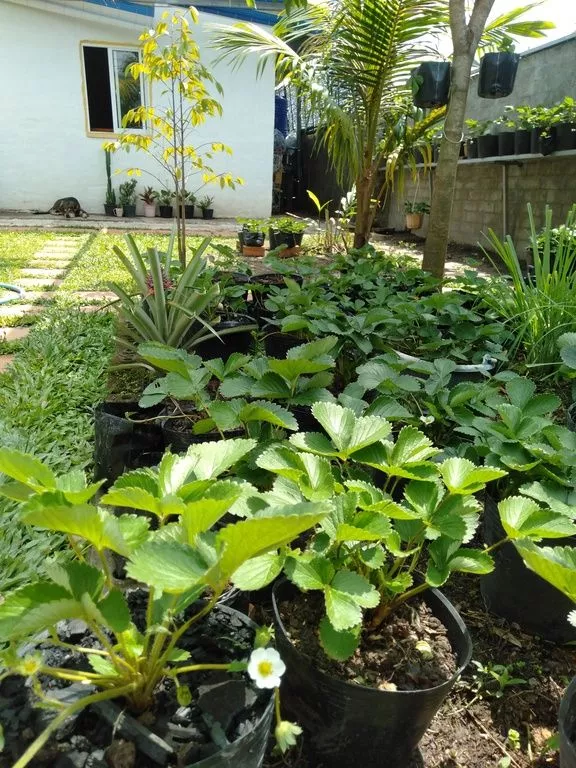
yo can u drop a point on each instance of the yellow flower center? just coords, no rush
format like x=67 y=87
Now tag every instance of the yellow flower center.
x=265 y=668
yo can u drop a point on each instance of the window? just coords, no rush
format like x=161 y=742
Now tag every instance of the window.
x=111 y=91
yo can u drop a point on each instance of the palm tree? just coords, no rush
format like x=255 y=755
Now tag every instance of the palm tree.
x=352 y=61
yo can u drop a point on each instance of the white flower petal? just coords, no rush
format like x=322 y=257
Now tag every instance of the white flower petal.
x=572 y=618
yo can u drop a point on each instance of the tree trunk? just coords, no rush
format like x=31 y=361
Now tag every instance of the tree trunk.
x=465 y=38
x=363 y=212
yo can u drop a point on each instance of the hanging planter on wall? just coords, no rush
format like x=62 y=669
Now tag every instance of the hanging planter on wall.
x=497 y=75
x=432 y=79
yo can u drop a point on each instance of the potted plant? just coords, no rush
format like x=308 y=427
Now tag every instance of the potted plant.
x=205 y=204
x=149 y=197
x=363 y=586
x=111 y=201
x=474 y=129
x=542 y=138
x=252 y=235
x=506 y=135
x=521 y=118
x=287 y=231
x=565 y=124
x=159 y=640
x=189 y=201
x=431 y=84
x=127 y=197
x=498 y=71
x=165 y=197
x=415 y=213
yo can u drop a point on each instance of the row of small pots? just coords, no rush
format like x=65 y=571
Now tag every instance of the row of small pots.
x=525 y=142
x=165 y=211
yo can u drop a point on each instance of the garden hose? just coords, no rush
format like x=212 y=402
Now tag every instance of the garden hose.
x=487 y=364
x=19 y=293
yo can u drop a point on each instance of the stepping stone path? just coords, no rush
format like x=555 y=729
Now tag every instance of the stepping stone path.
x=40 y=280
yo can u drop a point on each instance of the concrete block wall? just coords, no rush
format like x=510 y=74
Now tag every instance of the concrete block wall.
x=478 y=199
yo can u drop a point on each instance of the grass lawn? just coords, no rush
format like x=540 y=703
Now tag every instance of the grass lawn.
x=18 y=248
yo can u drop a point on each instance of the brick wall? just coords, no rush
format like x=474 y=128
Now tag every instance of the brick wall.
x=478 y=199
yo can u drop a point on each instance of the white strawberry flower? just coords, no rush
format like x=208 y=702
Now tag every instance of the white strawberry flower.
x=266 y=667
x=572 y=618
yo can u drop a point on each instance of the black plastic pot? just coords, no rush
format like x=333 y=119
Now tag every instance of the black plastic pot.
x=434 y=89
x=349 y=724
x=232 y=340
x=547 y=144
x=207 y=213
x=516 y=593
x=251 y=239
x=488 y=145
x=109 y=209
x=278 y=344
x=472 y=148
x=506 y=143
x=571 y=417
x=166 y=211
x=565 y=136
x=522 y=142
x=120 y=444
x=542 y=145
x=288 y=239
x=497 y=75
x=262 y=284
x=567 y=727
x=188 y=211
x=129 y=211
x=179 y=441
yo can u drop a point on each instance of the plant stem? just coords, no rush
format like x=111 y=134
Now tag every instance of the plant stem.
x=197 y=668
x=277 y=706
x=39 y=742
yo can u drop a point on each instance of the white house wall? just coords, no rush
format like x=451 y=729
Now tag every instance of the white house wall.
x=45 y=152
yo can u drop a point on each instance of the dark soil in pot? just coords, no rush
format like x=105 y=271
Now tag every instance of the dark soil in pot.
x=357 y=723
x=121 y=443
x=278 y=344
x=225 y=726
x=517 y=593
x=567 y=727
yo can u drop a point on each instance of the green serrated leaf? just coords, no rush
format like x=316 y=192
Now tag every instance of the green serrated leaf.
x=338 y=645
x=167 y=566
x=310 y=573
x=258 y=572
x=556 y=565
x=463 y=477
x=343 y=610
x=115 y=611
x=523 y=518
x=102 y=665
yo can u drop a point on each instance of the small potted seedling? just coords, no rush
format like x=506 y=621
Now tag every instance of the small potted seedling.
x=127 y=196
x=289 y=232
x=165 y=197
x=252 y=236
x=189 y=201
x=148 y=197
x=205 y=204
x=415 y=213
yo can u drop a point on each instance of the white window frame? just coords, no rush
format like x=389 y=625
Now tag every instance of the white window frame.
x=117 y=127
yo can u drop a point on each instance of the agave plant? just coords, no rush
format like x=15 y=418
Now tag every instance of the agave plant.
x=171 y=311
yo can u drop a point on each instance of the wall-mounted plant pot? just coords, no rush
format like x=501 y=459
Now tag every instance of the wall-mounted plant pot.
x=236 y=334
x=488 y=145
x=188 y=211
x=472 y=148
x=150 y=210
x=289 y=239
x=414 y=221
x=522 y=142
x=129 y=211
x=506 y=143
x=120 y=443
x=516 y=593
x=109 y=209
x=166 y=211
x=207 y=213
x=497 y=75
x=352 y=724
x=119 y=211
x=565 y=136
x=434 y=88
x=567 y=727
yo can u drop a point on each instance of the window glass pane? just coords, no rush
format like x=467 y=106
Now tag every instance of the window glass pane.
x=128 y=91
x=98 y=89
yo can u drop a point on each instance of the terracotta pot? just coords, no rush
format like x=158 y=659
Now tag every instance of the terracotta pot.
x=253 y=251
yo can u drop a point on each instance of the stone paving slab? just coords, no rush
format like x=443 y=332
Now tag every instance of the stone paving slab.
x=5 y=361
x=25 y=220
x=42 y=272
x=37 y=282
x=14 y=334
x=7 y=310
